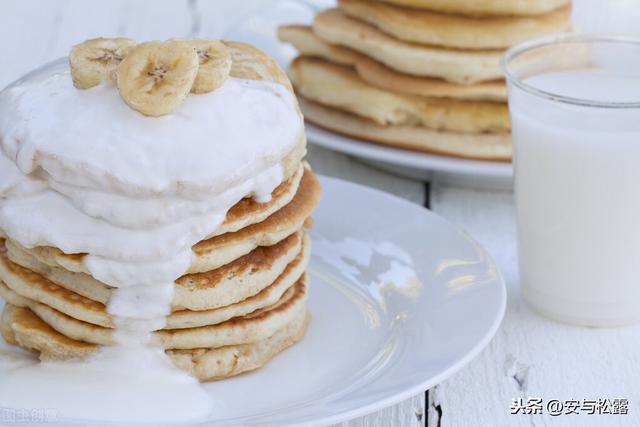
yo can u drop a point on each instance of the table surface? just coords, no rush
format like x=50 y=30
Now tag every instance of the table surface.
x=529 y=357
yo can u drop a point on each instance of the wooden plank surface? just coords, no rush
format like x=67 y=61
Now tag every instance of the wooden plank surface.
x=530 y=356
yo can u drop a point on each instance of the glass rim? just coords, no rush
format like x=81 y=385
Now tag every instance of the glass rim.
x=558 y=39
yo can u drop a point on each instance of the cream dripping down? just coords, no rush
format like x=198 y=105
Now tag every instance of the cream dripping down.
x=81 y=171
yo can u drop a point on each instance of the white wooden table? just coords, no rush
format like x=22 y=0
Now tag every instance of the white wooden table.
x=529 y=357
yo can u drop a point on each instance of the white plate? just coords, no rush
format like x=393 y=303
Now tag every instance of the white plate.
x=371 y=344
x=477 y=173
x=400 y=300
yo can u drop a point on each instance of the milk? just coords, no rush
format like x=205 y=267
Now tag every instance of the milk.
x=577 y=185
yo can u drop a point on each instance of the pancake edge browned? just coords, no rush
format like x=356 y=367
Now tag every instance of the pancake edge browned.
x=405 y=137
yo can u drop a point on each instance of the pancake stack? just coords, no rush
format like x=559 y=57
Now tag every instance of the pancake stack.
x=417 y=74
x=241 y=302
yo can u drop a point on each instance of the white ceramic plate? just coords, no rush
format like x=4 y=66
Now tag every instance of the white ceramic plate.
x=400 y=300
x=477 y=173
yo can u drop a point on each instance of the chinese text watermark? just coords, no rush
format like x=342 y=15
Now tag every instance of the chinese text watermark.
x=556 y=407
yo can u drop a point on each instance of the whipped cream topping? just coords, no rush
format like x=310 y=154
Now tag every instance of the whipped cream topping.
x=92 y=139
x=81 y=171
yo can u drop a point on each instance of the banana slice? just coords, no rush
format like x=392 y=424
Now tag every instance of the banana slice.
x=156 y=77
x=215 y=64
x=94 y=61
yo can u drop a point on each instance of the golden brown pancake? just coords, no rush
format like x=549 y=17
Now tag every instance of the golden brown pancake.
x=484 y=7
x=379 y=75
x=220 y=250
x=21 y=287
x=473 y=146
x=255 y=326
x=20 y=326
x=233 y=282
x=456 y=31
x=247 y=211
x=281 y=224
x=454 y=65
x=340 y=87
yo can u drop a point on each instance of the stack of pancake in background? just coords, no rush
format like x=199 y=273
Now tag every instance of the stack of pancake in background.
x=243 y=301
x=417 y=74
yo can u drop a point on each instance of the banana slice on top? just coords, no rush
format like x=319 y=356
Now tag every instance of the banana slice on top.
x=155 y=77
x=94 y=61
x=215 y=64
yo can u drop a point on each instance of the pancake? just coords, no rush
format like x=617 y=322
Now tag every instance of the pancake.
x=231 y=283
x=473 y=146
x=485 y=7
x=11 y=297
x=244 y=213
x=341 y=87
x=220 y=250
x=456 y=31
x=307 y=43
x=255 y=326
x=379 y=75
x=20 y=326
x=224 y=362
x=22 y=286
x=249 y=62
x=454 y=65
x=248 y=211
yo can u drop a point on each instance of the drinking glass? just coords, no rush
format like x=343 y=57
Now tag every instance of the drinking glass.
x=574 y=102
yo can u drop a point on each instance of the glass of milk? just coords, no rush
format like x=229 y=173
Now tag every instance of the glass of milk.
x=575 y=109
